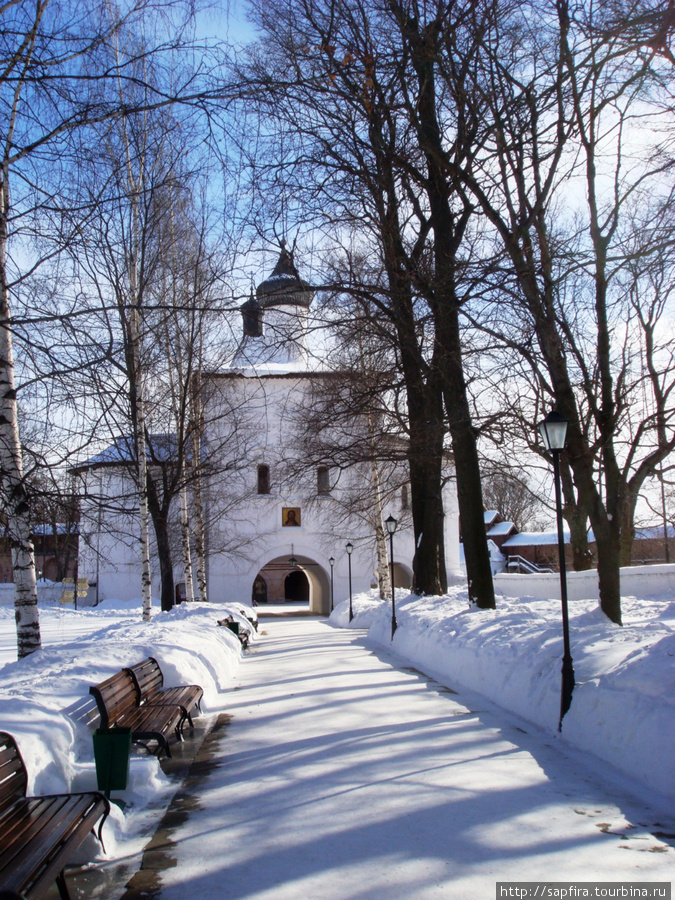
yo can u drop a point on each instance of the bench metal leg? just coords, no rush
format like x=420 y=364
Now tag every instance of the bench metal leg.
x=62 y=886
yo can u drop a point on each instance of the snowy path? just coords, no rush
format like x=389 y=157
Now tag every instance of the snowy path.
x=345 y=777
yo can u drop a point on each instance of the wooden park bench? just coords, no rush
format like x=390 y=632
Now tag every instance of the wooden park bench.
x=117 y=701
x=149 y=683
x=235 y=627
x=246 y=612
x=38 y=835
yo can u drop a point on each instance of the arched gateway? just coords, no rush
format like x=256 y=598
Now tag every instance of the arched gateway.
x=303 y=580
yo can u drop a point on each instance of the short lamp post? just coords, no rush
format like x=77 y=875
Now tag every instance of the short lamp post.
x=391 y=524
x=553 y=431
x=350 y=549
x=331 y=563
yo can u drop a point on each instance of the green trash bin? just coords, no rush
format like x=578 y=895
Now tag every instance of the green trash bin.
x=112 y=752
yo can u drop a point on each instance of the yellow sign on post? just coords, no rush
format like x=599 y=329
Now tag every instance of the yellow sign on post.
x=72 y=590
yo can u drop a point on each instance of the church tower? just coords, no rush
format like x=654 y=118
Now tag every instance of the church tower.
x=275 y=319
x=280 y=517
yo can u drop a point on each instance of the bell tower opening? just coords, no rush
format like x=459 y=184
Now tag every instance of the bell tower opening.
x=252 y=314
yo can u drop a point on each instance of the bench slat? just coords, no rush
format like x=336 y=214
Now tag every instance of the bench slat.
x=114 y=697
x=188 y=696
x=13 y=782
x=149 y=680
x=49 y=818
x=40 y=849
x=38 y=834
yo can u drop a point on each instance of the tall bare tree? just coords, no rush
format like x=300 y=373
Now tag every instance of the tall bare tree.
x=354 y=424
x=562 y=101
x=341 y=80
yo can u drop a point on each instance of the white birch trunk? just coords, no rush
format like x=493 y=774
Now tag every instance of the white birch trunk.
x=185 y=534
x=136 y=393
x=177 y=375
x=138 y=412
x=142 y=470
x=11 y=466
x=198 y=502
x=383 y=576
x=11 y=460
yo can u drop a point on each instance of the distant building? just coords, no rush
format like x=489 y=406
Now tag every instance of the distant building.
x=651 y=545
x=654 y=544
x=537 y=547
x=55 y=553
x=500 y=533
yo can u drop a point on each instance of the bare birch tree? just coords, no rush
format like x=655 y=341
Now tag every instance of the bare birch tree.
x=51 y=89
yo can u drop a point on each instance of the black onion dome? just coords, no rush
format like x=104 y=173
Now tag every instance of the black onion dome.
x=252 y=315
x=284 y=287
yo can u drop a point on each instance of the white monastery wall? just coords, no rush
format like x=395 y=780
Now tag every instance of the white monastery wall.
x=636 y=581
x=270 y=411
x=109 y=549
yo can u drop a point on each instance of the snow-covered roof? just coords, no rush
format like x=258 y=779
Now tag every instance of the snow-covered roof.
x=163 y=448
x=538 y=539
x=501 y=528
x=59 y=528
x=297 y=368
x=489 y=516
x=534 y=539
x=653 y=532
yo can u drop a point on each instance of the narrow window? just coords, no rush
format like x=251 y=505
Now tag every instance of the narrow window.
x=263 y=479
x=404 y=497
x=322 y=480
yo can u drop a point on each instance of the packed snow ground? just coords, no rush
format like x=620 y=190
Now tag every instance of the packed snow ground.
x=623 y=706
x=346 y=775
x=622 y=711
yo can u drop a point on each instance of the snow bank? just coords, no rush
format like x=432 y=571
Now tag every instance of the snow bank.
x=45 y=701
x=623 y=708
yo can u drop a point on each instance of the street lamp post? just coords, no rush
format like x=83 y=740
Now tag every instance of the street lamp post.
x=553 y=431
x=665 y=517
x=391 y=524
x=331 y=563
x=350 y=548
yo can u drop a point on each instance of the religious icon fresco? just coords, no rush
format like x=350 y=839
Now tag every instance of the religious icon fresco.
x=290 y=517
